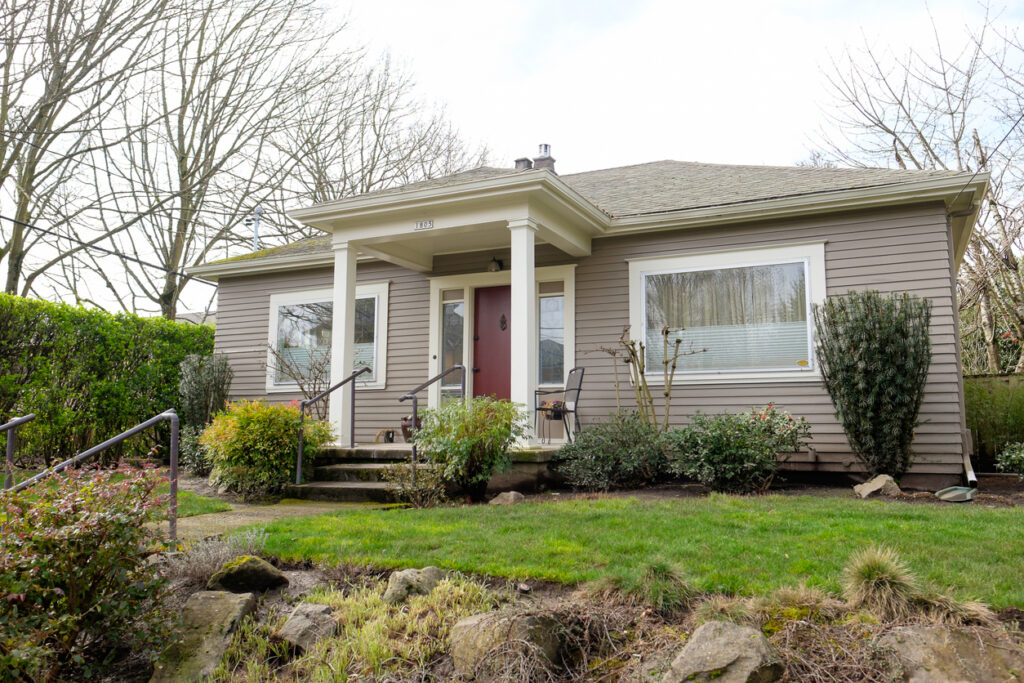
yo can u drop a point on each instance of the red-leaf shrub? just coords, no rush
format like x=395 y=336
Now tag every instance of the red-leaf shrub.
x=75 y=587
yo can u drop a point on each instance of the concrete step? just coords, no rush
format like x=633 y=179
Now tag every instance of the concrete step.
x=368 y=453
x=341 y=491
x=353 y=471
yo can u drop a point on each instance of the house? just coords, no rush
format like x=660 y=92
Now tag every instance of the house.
x=521 y=274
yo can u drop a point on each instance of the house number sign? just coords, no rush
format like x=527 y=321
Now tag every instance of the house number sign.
x=424 y=225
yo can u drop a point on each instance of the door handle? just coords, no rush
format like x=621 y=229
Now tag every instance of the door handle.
x=476 y=369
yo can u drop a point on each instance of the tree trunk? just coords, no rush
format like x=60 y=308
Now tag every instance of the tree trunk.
x=988 y=326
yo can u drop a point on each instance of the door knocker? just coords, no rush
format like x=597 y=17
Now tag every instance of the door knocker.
x=503 y=322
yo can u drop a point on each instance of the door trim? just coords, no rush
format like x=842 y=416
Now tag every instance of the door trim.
x=468 y=283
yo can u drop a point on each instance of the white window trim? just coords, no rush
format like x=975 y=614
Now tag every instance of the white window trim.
x=377 y=290
x=812 y=253
x=471 y=281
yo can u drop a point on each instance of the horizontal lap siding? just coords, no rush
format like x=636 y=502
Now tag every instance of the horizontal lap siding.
x=904 y=249
x=244 y=315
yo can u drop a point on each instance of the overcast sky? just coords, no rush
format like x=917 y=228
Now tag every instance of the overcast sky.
x=614 y=82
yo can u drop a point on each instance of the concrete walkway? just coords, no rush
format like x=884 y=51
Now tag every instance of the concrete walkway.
x=217 y=523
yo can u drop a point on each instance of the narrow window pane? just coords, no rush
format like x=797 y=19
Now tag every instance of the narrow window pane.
x=748 y=318
x=551 y=353
x=453 y=316
x=364 y=353
x=304 y=341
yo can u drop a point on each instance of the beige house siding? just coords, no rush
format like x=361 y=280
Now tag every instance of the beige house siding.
x=905 y=249
x=901 y=249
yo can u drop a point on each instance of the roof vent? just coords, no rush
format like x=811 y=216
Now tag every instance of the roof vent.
x=523 y=164
x=544 y=159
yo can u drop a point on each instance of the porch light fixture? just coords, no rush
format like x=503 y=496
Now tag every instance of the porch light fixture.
x=494 y=266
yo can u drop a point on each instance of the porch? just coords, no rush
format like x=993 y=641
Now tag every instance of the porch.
x=489 y=320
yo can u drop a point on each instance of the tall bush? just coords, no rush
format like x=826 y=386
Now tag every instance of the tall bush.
x=875 y=352
x=203 y=387
x=75 y=586
x=87 y=374
x=253 y=446
x=468 y=439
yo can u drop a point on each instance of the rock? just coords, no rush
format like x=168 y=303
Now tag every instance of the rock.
x=307 y=624
x=883 y=484
x=474 y=637
x=411 y=582
x=508 y=498
x=208 y=620
x=246 y=574
x=950 y=653
x=726 y=653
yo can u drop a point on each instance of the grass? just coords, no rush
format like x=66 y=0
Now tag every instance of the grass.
x=736 y=545
x=192 y=504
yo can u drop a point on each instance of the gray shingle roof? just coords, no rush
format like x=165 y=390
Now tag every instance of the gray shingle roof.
x=663 y=186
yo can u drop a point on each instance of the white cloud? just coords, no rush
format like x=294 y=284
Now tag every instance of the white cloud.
x=612 y=83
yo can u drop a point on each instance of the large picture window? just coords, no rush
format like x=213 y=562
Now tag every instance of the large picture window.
x=301 y=325
x=748 y=311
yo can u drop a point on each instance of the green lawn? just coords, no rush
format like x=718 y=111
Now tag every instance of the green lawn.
x=744 y=545
x=191 y=504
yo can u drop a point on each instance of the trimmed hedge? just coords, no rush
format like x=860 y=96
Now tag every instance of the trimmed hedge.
x=994 y=406
x=87 y=374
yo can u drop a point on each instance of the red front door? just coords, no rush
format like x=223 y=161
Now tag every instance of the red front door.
x=492 y=346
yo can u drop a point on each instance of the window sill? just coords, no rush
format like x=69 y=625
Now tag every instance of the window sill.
x=738 y=378
x=294 y=389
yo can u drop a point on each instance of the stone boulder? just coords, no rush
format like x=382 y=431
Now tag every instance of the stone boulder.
x=307 y=624
x=949 y=653
x=507 y=498
x=247 y=574
x=882 y=484
x=473 y=638
x=208 y=620
x=726 y=653
x=410 y=582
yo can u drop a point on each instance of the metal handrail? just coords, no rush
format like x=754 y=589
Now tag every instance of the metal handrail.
x=166 y=416
x=322 y=395
x=415 y=401
x=12 y=440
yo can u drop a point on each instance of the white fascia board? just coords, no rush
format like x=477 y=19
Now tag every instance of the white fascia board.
x=213 y=271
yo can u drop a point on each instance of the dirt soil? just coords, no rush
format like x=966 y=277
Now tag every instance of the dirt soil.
x=994 y=491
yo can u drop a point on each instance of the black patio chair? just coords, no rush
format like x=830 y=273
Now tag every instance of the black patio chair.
x=563 y=407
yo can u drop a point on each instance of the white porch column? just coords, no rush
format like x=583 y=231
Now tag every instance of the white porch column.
x=343 y=331
x=524 y=314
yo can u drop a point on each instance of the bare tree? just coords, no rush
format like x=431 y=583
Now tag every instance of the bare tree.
x=944 y=110
x=232 y=75
x=66 y=62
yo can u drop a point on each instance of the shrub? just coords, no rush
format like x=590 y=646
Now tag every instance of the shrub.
x=625 y=452
x=192 y=454
x=422 y=487
x=88 y=374
x=736 y=453
x=203 y=387
x=75 y=586
x=875 y=353
x=1012 y=459
x=253 y=445
x=469 y=440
